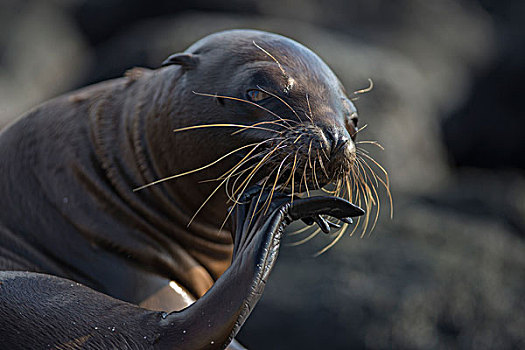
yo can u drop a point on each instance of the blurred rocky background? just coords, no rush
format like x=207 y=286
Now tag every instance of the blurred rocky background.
x=448 y=271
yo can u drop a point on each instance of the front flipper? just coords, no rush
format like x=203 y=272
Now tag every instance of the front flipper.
x=42 y=311
x=258 y=237
x=216 y=318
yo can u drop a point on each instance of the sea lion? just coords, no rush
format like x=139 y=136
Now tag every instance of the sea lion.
x=79 y=246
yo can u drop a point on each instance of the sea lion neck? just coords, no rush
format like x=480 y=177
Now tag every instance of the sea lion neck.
x=127 y=146
x=160 y=153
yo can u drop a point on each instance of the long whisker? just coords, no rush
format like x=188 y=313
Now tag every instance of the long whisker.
x=286 y=183
x=322 y=164
x=358 y=202
x=273 y=58
x=369 y=200
x=365 y=90
x=378 y=165
x=213 y=192
x=359 y=193
x=297 y=138
x=386 y=183
x=206 y=201
x=375 y=143
x=328 y=191
x=309 y=109
x=247 y=156
x=294 y=167
x=246 y=181
x=230 y=173
x=363 y=186
x=191 y=171
x=387 y=188
x=245 y=101
x=361 y=128
x=334 y=241
x=302 y=241
x=223 y=125
x=361 y=162
x=315 y=175
x=291 y=177
x=280 y=99
x=303 y=178
x=378 y=203
x=249 y=177
x=275 y=122
x=299 y=231
x=309 y=153
x=235 y=202
x=238 y=176
x=260 y=195
x=338 y=187
x=268 y=200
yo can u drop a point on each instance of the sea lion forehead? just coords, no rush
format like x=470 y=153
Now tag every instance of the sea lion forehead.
x=253 y=45
x=240 y=40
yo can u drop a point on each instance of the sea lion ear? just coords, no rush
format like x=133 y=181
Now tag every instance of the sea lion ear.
x=186 y=60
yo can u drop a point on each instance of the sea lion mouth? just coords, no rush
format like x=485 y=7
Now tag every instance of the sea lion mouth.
x=301 y=160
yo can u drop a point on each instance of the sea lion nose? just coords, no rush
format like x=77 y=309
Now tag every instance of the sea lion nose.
x=339 y=139
x=338 y=145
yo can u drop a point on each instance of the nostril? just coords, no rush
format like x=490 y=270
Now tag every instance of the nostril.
x=338 y=146
x=334 y=142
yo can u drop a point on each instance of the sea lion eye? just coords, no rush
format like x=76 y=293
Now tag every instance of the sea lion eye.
x=351 y=125
x=354 y=118
x=257 y=95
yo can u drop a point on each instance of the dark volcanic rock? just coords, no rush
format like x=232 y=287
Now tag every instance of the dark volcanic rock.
x=436 y=277
x=486 y=131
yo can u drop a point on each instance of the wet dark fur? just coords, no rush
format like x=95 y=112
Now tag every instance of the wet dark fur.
x=69 y=212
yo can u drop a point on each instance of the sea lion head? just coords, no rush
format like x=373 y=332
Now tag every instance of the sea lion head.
x=283 y=99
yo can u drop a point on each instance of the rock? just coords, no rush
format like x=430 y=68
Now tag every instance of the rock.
x=435 y=277
x=42 y=55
